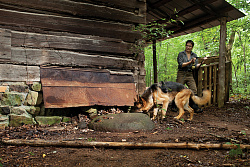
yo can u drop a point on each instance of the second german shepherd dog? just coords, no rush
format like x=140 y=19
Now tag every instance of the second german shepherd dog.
x=165 y=92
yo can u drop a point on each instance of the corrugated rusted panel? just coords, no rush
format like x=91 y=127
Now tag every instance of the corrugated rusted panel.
x=74 y=88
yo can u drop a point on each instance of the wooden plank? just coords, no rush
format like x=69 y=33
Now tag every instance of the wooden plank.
x=129 y=5
x=205 y=77
x=215 y=68
x=10 y=72
x=200 y=72
x=210 y=82
x=77 y=9
x=80 y=76
x=67 y=58
x=74 y=87
x=69 y=24
x=5 y=44
x=70 y=96
x=34 y=40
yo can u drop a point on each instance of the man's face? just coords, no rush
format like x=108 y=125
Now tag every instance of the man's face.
x=189 y=47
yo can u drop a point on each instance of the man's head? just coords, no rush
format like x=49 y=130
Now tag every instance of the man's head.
x=189 y=45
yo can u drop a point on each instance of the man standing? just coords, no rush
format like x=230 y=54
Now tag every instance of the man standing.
x=187 y=62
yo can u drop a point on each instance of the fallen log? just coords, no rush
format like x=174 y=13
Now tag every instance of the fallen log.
x=80 y=143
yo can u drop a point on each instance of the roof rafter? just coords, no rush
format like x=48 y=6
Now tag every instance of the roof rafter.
x=159 y=3
x=200 y=21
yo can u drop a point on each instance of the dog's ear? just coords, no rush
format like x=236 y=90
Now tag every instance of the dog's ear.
x=142 y=101
x=137 y=98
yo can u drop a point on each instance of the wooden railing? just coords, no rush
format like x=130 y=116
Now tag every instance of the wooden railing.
x=207 y=78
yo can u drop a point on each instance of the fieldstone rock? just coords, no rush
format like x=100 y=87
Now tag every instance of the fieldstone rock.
x=19 y=88
x=123 y=122
x=4 y=121
x=13 y=99
x=4 y=110
x=92 y=112
x=3 y=125
x=66 y=119
x=32 y=98
x=82 y=124
x=3 y=89
x=32 y=110
x=48 y=120
x=36 y=86
x=18 y=111
x=19 y=120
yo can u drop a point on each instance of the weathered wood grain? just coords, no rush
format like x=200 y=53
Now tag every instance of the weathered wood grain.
x=34 y=40
x=77 y=76
x=69 y=24
x=128 y=5
x=85 y=10
x=10 y=72
x=5 y=44
x=67 y=58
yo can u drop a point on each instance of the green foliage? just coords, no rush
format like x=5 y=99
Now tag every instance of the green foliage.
x=207 y=44
x=31 y=153
x=168 y=128
x=233 y=153
x=151 y=32
x=91 y=139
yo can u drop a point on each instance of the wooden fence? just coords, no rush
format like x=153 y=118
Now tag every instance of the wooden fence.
x=207 y=78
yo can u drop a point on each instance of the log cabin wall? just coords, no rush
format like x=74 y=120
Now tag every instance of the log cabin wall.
x=95 y=34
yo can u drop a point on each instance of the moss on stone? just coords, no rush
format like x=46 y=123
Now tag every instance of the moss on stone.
x=48 y=120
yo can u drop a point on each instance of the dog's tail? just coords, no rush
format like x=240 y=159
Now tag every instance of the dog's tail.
x=202 y=100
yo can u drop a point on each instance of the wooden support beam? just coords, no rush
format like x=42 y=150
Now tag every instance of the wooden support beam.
x=67 y=58
x=155 y=62
x=222 y=61
x=5 y=44
x=77 y=9
x=19 y=73
x=69 y=24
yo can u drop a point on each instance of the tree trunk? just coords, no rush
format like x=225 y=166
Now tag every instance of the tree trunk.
x=229 y=58
x=245 y=66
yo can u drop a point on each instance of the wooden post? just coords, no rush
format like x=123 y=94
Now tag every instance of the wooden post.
x=210 y=81
x=200 y=72
x=155 y=62
x=222 y=60
x=215 y=97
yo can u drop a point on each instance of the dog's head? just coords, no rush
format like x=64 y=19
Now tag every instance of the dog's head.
x=140 y=105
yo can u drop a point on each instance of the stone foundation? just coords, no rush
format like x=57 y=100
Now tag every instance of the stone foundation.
x=22 y=103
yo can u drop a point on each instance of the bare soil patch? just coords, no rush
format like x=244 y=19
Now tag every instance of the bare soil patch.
x=215 y=125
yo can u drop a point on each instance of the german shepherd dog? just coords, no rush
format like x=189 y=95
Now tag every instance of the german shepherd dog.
x=165 y=92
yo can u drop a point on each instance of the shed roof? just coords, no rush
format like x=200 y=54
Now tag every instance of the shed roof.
x=196 y=14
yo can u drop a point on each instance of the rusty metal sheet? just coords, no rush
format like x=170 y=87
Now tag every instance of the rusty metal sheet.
x=63 y=88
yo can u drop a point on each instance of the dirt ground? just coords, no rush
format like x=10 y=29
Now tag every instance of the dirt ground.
x=215 y=125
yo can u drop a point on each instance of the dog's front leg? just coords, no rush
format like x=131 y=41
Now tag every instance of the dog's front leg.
x=155 y=113
x=164 y=109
